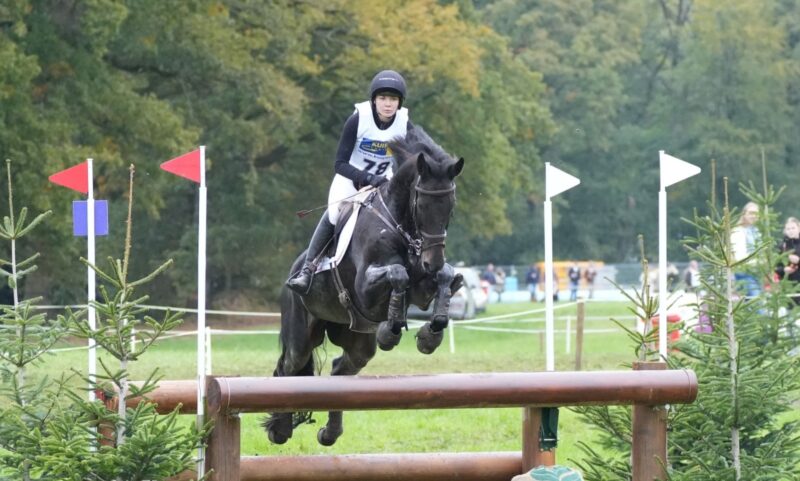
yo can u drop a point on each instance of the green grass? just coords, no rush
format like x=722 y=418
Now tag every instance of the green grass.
x=460 y=430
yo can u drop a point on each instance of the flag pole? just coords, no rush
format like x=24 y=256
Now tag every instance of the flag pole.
x=662 y=273
x=672 y=170
x=91 y=279
x=556 y=181
x=201 y=309
x=548 y=285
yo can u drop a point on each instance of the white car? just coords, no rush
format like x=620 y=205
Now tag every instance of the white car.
x=465 y=303
x=472 y=281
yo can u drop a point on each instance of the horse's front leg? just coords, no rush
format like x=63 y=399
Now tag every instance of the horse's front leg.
x=390 y=330
x=430 y=336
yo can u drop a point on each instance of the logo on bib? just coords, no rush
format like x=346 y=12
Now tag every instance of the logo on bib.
x=375 y=147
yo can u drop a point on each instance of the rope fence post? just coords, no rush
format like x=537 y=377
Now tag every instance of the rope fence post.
x=579 y=322
x=452 y=336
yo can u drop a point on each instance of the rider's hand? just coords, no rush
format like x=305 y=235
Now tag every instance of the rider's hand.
x=376 y=180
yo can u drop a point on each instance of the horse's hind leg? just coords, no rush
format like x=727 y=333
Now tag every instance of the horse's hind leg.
x=358 y=349
x=300 y=334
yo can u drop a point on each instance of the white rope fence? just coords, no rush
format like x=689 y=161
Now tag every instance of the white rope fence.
x=523 y=317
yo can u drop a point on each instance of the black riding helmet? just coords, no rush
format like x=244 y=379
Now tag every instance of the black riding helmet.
x=388 y=81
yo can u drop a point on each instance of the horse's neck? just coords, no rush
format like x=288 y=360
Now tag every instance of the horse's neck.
x=398 y=203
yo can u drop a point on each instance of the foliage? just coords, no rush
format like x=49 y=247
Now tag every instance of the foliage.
x=48 y=430
x=595 y=87
x=748 y=378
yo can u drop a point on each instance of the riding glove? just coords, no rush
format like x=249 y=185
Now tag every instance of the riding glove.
x=376 y=180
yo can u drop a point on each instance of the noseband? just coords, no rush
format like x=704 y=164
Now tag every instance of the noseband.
x=429 y=240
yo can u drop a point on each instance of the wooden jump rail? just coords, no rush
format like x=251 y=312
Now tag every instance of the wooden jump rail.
x=648 y=388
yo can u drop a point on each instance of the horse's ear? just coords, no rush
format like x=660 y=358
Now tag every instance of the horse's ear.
x=456 y=168
x=422 y=165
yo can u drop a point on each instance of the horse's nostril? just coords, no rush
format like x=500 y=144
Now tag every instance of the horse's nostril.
x=426 y=265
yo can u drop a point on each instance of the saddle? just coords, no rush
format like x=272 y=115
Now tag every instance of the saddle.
x=343 y=234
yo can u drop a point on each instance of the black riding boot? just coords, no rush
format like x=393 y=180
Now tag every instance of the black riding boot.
x=322 y=236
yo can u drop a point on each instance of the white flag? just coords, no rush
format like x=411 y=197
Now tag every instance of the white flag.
x=674 y=170
x=557 y=181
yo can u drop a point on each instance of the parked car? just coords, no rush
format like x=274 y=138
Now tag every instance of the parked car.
x=472 y=281
x=465 y=303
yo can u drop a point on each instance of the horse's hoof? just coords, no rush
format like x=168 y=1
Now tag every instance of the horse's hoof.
x=387 y=340
x=279 y=428
x=276 y=438
x=428 y=339
x=327 y=436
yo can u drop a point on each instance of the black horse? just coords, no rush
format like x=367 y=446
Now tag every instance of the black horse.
x=396 y=257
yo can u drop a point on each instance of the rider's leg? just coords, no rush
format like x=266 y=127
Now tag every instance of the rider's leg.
x=322 y=236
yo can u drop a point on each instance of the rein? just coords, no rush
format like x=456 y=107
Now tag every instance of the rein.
x=415 y=246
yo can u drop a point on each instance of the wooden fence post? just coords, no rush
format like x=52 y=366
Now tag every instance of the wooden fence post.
x=649 y=450
x=579 y=334
x=532 y=454
x=223 y=454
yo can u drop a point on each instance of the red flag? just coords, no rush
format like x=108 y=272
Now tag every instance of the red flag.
x=187 y=165
x=75 y=178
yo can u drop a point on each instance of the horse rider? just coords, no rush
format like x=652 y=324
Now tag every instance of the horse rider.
x=362 y=159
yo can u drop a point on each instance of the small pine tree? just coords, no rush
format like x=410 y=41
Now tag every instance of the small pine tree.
x=51 y=432
x=737 y=427
x=25 y=336
x=747 y=379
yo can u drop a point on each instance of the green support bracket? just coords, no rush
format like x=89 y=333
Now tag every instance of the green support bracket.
x=548 y=432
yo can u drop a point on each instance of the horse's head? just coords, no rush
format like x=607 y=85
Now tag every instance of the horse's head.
x=424 y=191
x=432 y=203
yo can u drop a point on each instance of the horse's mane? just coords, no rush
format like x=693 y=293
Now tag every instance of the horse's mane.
x=407 y=149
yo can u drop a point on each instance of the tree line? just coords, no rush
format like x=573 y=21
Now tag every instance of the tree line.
x=595 y=87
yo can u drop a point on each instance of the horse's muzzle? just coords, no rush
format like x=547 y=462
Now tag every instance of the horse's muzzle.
x=433 y=263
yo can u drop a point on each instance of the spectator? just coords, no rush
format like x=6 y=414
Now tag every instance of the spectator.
x=789 y=265
x=532 y=280
x=555 y=285
x=672 y=277
x=589 y=275
x=691 y=276
x=500 y=285
x=489 y=276
x=574 y=275
x=744 y=240
x=488 y=280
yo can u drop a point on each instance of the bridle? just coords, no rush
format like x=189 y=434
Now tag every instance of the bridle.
x=427 y=240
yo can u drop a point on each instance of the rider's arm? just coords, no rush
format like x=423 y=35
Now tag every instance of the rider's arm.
x=347 y=142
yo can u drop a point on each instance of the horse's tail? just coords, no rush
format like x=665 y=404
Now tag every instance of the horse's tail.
x=293 y=337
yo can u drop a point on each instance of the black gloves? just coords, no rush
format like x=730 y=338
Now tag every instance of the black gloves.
x=375 y=180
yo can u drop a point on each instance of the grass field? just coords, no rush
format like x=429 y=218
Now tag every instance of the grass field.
x=459 y=430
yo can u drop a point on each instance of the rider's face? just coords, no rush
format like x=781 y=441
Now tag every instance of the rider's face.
x=386 y=106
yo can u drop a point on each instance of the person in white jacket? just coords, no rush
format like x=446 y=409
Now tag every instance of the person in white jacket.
x=744 y=240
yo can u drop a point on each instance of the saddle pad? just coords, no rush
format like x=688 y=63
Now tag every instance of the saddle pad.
x=346 y=235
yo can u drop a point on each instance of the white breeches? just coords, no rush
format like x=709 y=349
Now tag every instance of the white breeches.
x=341 y=188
